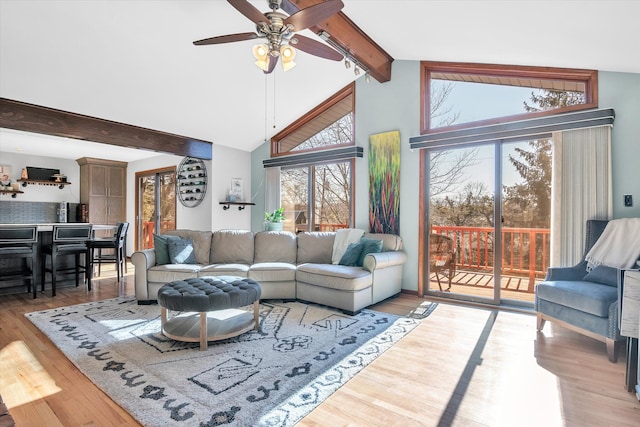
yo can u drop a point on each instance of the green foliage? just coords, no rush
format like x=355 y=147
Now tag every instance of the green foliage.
x=275 y=216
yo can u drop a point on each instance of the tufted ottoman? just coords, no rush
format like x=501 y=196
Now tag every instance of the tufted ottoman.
x=216 y=300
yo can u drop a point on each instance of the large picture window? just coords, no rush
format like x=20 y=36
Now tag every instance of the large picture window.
x=329 y=125
x=461 y=95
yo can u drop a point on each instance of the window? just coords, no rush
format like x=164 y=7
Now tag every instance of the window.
x=330 y=125
x=316 y=155
x=459 y=95
x=317 y=197
x=487 y=163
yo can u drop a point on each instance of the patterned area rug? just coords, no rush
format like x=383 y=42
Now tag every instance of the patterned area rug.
x=275 y=376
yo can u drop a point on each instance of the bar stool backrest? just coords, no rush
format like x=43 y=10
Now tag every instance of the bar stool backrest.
x=72 y=233
x=121 y=233
x=18 y=234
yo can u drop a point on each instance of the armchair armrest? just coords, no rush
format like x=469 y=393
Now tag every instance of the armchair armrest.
x=380 y=260
x=576 y=272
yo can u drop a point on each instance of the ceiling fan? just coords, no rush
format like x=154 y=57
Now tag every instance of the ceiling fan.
x=279 y=31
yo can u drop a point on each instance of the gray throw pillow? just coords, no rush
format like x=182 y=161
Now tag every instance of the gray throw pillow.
x=370 y=246
x=351 y=254
x=181 y=251
x=603 y=274
x=160 y=244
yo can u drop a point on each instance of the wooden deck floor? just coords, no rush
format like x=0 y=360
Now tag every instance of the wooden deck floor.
x=481 y=284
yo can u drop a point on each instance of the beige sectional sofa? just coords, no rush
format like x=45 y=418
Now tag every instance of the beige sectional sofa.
x=287 y=266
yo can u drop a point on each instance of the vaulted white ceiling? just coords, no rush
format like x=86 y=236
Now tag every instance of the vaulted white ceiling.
x=134 y=62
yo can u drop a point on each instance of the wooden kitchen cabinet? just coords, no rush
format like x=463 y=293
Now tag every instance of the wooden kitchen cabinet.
x=103 y=187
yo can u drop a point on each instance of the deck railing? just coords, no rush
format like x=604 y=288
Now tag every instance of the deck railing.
x=148 y=228
x=525 y=251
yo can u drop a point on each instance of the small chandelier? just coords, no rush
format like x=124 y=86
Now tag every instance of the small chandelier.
x=264 y=54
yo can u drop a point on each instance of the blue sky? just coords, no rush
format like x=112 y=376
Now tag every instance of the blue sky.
x=474 y=101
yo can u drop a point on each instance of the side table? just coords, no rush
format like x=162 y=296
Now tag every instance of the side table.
x=630 y=326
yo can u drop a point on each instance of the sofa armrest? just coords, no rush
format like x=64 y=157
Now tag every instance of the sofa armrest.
x=142 y=261
x=380 y=260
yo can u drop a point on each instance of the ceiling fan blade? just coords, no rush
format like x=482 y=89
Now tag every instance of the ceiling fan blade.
x=226 y=39
x=313 y=15
x=273 y=60
x=315 y=48
x=248 y=10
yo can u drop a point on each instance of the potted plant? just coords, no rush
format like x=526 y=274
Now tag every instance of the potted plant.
x=274 y=221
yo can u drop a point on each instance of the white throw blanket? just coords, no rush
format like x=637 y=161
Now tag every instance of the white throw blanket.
x=344 y=236
x=618 y=246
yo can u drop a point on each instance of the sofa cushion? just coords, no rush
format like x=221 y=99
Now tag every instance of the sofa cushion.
x=352 y=254
x=340 y=277
x=170 y=272
x=201 y=242
x=603 y=274
x=369 y=246
x=181 y=251
x=390 y=242
x=589 y=297
x=232 y=246
x=161 y=246
x=231 y=269
x=275 y=246
x=272 y=272
x=315 y=246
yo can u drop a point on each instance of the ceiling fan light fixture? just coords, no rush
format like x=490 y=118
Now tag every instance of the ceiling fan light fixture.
x=288 y=54
x=261 y=53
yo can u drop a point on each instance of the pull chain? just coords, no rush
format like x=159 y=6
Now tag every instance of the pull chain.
x=265 y=107
x=274 y=100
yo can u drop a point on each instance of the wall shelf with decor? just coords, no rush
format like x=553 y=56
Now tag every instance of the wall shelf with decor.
x=241 y=205
x=60 y=185
x=191 y=181
x=14 y=193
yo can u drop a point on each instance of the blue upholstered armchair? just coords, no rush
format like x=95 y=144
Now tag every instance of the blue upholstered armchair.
x=586 y=303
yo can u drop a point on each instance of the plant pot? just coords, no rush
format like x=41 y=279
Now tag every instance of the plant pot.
x=273 y=226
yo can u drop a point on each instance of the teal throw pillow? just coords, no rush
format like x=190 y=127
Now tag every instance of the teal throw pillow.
x=181 y=251
x=160 y=244
x=603 y=274
x=351 y=254
x=370 y=246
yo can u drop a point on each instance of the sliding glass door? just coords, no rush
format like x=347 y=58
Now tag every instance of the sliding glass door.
x=155 y=204
x=461 y=234
x=488 y=220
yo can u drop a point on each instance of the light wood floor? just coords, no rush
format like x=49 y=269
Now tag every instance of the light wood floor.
x=462 y=366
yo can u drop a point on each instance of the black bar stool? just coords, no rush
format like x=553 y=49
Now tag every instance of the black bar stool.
x=118 y=245
x=67 y=240
x=20 y=241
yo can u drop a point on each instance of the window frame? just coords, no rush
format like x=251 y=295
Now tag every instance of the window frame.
x=349 y=90
x=588 y=77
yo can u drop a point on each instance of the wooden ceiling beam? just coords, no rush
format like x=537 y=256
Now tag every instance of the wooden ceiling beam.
x=34 y=118
x=351 y=38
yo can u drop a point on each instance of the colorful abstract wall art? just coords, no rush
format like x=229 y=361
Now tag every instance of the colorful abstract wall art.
x=384 y=183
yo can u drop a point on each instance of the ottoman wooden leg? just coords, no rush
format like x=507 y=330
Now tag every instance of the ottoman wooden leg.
x=256 y=314
x=203 y=330
x=163 y=319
